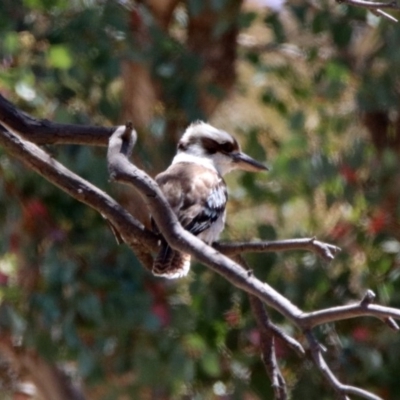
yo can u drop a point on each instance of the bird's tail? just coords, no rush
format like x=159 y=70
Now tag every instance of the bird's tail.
x=170 y=263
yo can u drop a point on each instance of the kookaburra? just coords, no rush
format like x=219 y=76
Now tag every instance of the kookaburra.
x=196 y=191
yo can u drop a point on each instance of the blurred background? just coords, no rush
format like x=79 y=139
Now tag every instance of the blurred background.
x=311 y=88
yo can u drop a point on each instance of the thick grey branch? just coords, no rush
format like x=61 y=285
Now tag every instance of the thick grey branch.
x=134 y=233
x=42 y=131
x=123 y=171
x=141 y=240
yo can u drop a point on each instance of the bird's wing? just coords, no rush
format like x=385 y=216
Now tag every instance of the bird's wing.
x=197 y=196
x=206 y=213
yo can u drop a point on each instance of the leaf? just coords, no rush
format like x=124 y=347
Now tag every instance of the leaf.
x=273 y=21
x=59 y=57
x=267 y=232
x=194 y=345
x=210 y=364
x=246 y=19
x=341 y=33
x=11 y=43
x=46 y=4
x=89 y=307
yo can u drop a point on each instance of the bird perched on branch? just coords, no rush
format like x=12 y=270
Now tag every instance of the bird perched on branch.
x=196 y=191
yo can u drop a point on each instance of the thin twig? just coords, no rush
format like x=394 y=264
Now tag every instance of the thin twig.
x=341 y=389
x=263 y=319
x=371 y=4
x=267 y=342
x=368 y=298
x=375 y=7
x=339 y=313
x=384 y=14
x=325 y=250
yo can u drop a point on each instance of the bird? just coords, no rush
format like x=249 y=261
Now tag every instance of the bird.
x=195 y=189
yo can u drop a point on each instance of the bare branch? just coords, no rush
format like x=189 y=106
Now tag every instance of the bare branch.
x=368 y=298
x=262 y=316
x=46 y=132
x=332 y=314
x=143 y=241
x=341 y=389
x=123 y=171
x=371 y=4
x=391 y=323
x=375 y=7
x=178 y=238
x=325 y=250
x=133 y=232
x=267 y=341
x=384 y=14
x=267 y=344
x=263 y=320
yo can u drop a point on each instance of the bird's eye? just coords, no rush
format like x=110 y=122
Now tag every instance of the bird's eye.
x=227 y=147
x=182 y=146
x=209 y=145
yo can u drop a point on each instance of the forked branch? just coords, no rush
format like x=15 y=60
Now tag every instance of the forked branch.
x=144 y=242
x=123 y=171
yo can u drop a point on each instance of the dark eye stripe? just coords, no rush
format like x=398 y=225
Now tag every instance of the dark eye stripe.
x=227 y=147
x=211 y=146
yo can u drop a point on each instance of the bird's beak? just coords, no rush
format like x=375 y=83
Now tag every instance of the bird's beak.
x=246 y=163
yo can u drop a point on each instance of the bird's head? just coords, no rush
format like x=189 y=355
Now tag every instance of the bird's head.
x=203 y=141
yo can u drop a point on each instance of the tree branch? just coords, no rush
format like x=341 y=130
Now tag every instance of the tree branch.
x=371 y=4
x=123 y=171
x=263 y=320
x=42 y=131
x=325 y=250
x=267 y=345
x=341 y=389
x=141 y=240
x=268 y=331
x=375 y=7
x=332 y=314
x=178 y=238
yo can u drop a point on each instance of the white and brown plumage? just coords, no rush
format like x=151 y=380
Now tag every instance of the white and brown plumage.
x=196 y=191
